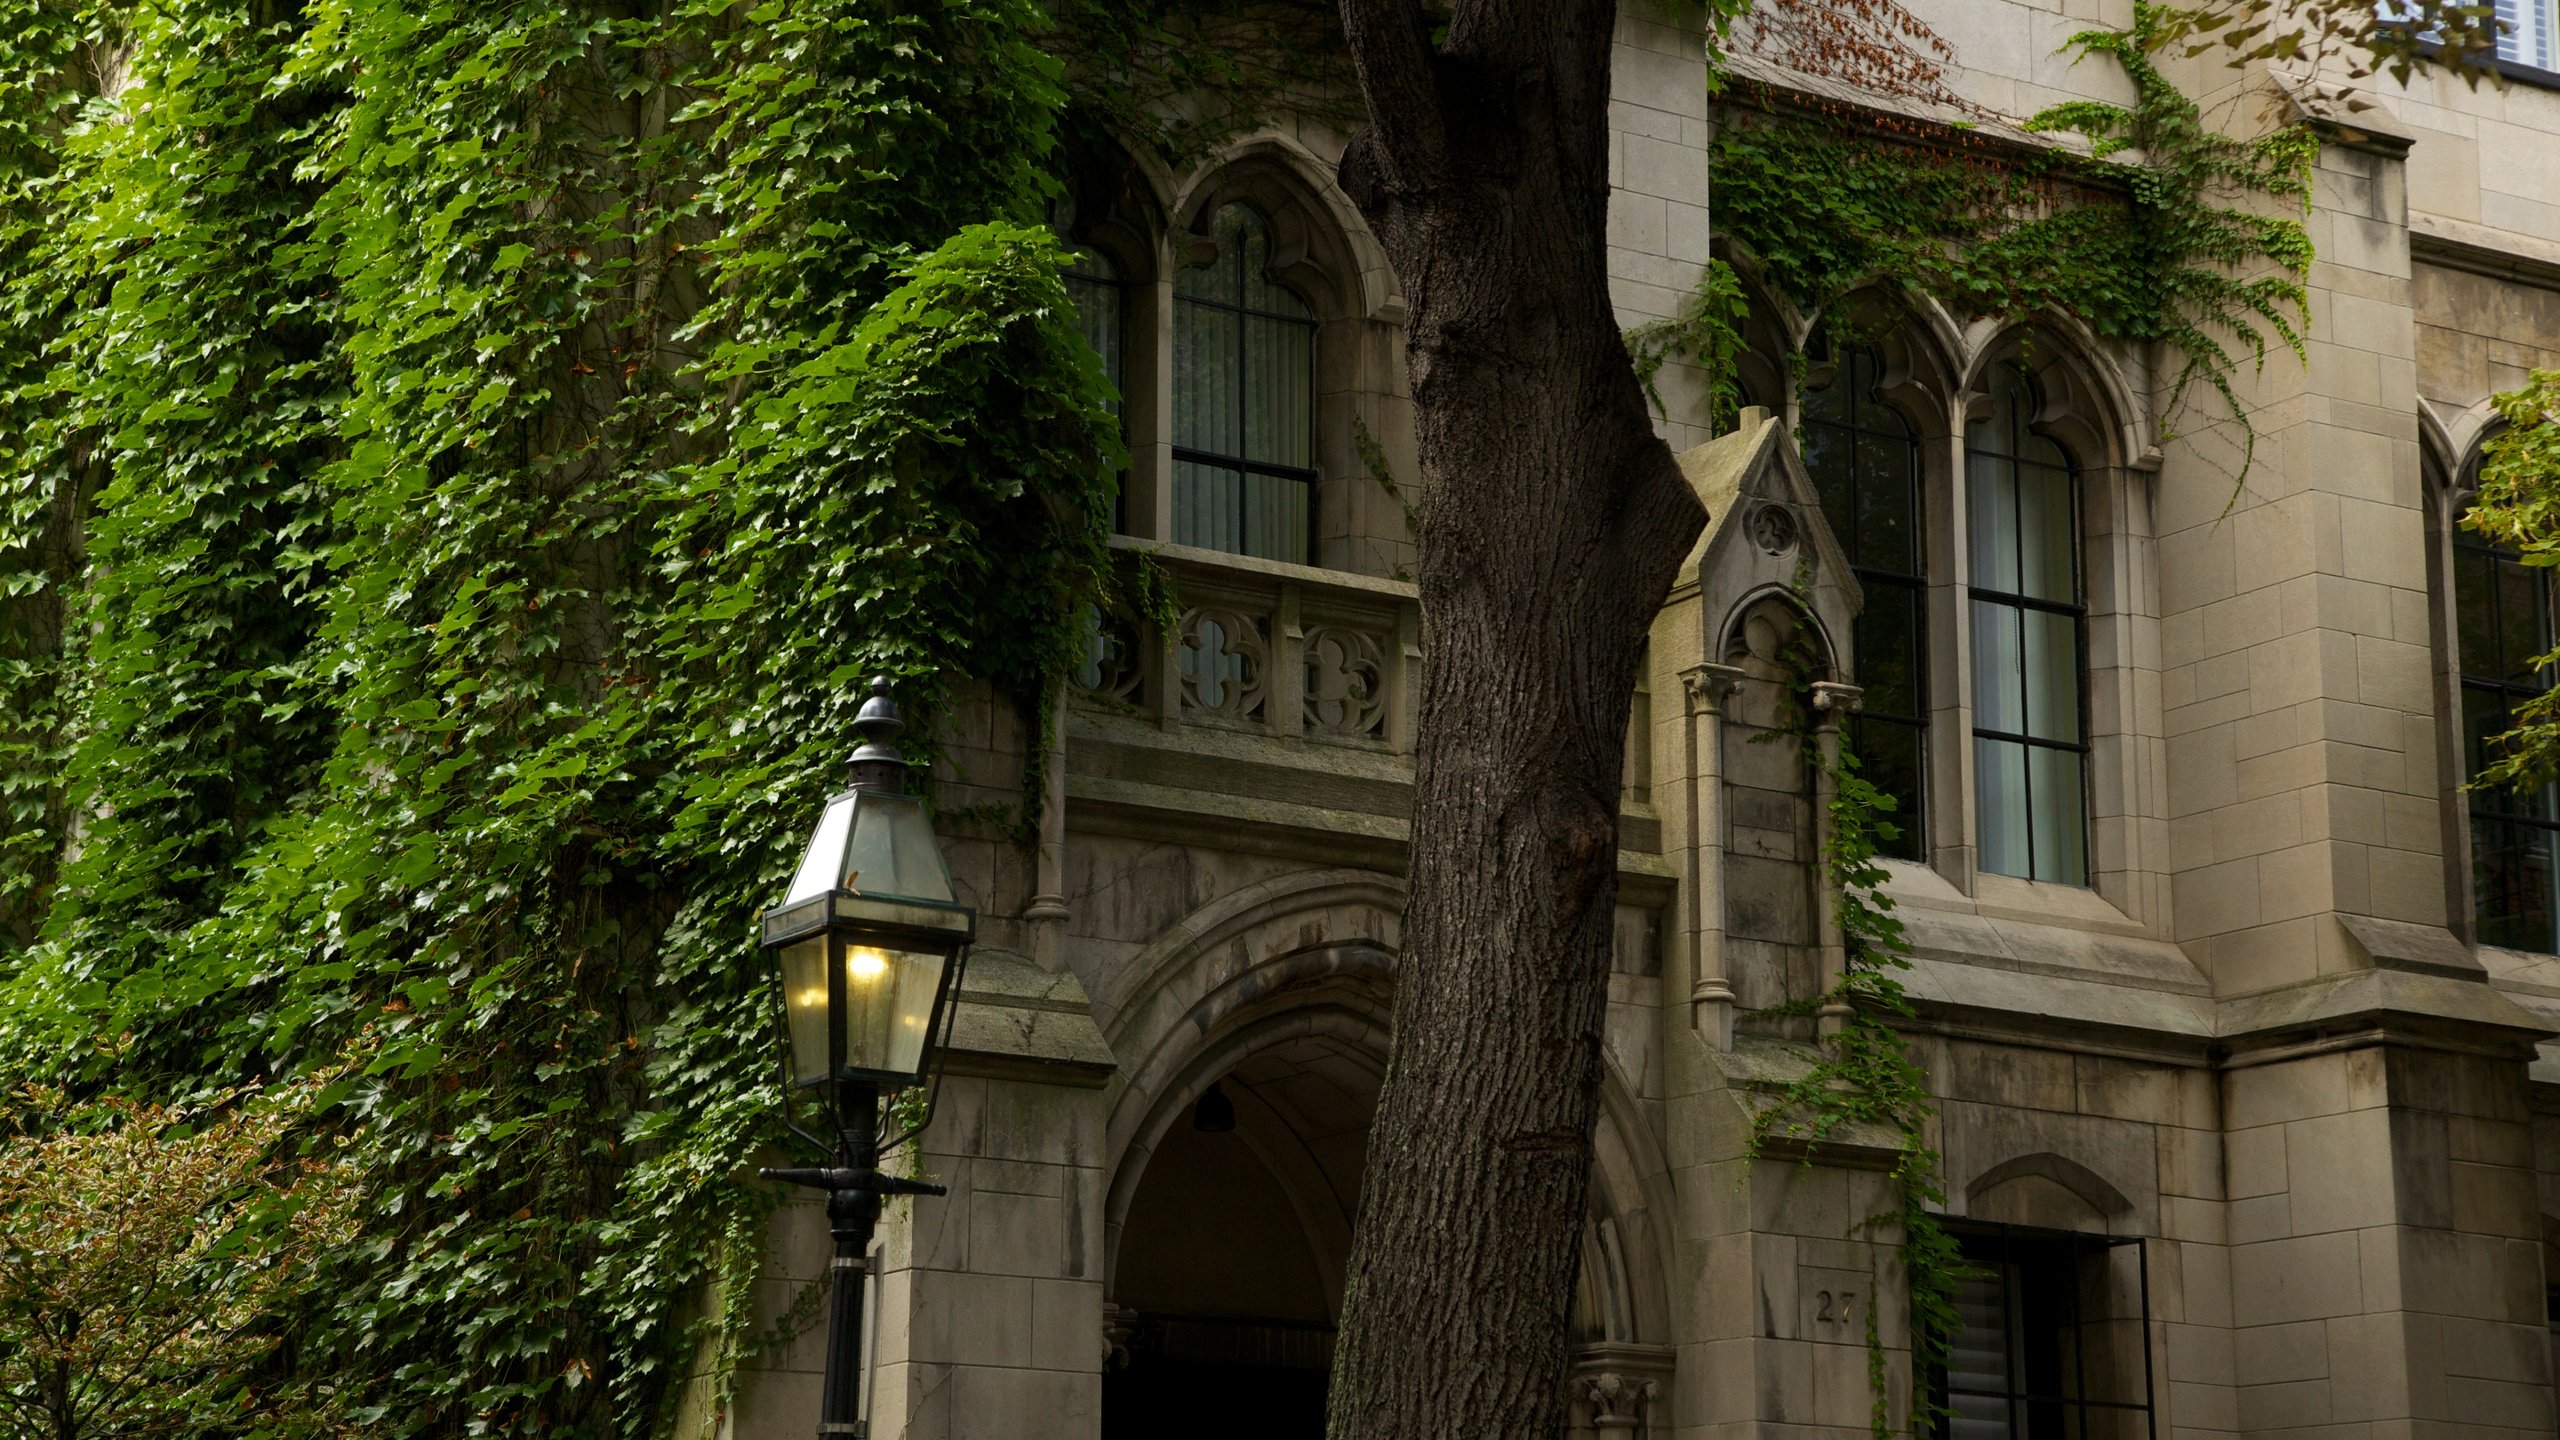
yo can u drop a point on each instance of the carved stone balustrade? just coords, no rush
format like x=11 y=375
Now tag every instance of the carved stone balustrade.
x=1268 y=648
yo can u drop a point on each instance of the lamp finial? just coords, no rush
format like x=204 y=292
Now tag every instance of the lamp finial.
x=877 y=765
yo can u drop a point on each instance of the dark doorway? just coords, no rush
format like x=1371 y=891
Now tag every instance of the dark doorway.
x=1229 y=1274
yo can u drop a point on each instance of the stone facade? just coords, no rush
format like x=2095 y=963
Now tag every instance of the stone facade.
x=2259 y=1139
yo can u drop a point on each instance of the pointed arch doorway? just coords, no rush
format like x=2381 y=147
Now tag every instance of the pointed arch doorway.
x=1229 y=1274
x=1227 y=1283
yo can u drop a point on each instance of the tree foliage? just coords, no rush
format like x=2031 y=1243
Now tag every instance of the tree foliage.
x=2517 y=507
x=152 y=1261
x=456 y=460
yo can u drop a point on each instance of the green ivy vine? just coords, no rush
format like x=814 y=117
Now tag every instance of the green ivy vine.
x=455 y=462
x=2166 y=232
x=1863 y=1077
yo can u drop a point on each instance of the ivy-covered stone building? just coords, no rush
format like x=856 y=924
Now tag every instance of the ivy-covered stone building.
x=2230 y=997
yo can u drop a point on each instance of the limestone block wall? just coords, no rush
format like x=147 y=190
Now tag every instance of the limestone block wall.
x=2479 y=334
x=2050 y=1135
x=1775 y=1343
x=1658 y=186
x=991 y=1297
x=2385 y=1261
x=2483 y=166
x=2296 y=625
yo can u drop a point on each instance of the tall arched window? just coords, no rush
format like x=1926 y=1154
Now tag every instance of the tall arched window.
x=2502 y=626
x=1243 y=400
x=2030 y=730
x=1865 y=462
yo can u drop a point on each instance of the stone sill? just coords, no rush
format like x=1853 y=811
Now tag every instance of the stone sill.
x=2005 y=898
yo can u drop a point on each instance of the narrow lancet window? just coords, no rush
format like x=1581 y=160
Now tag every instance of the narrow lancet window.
x=2030 y=732
x=2502 y=629
x=1865 y=462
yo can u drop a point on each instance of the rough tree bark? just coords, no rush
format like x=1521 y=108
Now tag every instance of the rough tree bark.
x=1552 y=521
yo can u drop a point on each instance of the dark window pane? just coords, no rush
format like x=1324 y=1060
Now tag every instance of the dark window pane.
x=1827 y=402
x=2512 y=876
x=2475 y=610
x=2048 y=536
x=2051 y=661
x=2523 y=625
x=1208 y=389
x=1827 y=452
x=1093 y=287
x=1275 y=519
x=1279 y=368
x=1889 y=759
x=2000 y=803
x=1888 y=510
x=2055 y=794
x=1888 y=642
x=1993 y=502
x=2484 y=719
x=1208 y=506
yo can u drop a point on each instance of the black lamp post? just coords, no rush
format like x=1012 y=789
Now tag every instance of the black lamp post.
x=869 y=941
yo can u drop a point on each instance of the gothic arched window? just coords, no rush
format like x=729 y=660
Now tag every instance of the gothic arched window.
x=2030 y=728
x=2502 y=629
x=1865 y=462
x=1243 y=400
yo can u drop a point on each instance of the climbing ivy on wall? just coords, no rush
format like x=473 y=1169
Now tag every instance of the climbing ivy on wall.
x=455 y=463
x=1864 y=1079
x=2166 y=232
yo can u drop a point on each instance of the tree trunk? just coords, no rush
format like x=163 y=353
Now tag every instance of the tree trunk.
x=1553 y=518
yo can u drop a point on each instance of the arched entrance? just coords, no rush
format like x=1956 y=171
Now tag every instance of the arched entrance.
x=1255 y=1036
x=1232 y=1251
x=1230 y=1264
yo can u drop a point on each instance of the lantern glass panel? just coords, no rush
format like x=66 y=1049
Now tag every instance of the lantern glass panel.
x=892 y=851
x=804 y=1004
x=873 y=843
x=888 y=1006
x=822 y=867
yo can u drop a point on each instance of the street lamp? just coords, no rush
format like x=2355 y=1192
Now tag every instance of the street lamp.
x=868 y=940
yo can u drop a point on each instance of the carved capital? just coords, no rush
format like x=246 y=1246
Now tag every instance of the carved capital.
x=1834 y=699
x=1118 y=1322
x=1618 y=1400
x=1709 y=686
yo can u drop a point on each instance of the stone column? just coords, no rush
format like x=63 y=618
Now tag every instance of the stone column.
x=1710 y=992
x=1048 y=911
x=1831 y=700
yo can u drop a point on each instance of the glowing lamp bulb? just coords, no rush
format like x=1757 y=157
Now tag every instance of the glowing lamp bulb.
x=865 y=966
